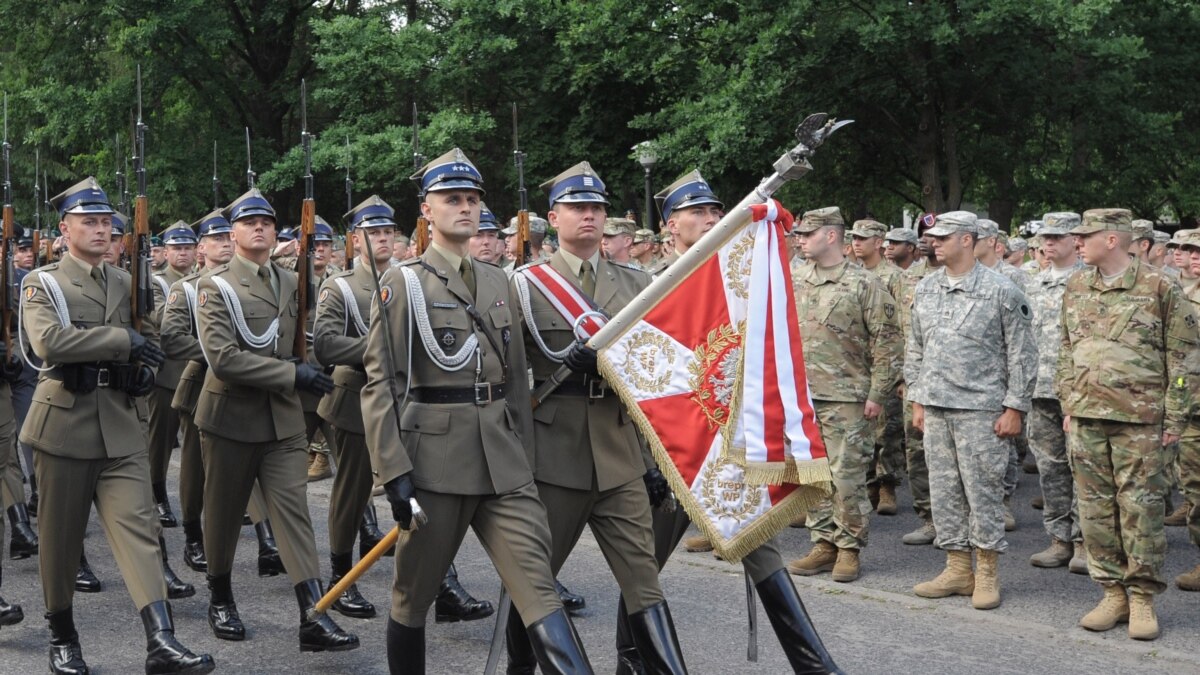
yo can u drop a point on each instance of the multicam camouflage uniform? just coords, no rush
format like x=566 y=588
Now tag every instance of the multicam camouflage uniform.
x=1122 y=377
x=914 y=438
x=888 y=462
x=851 y=348
x=970 y=354
x=1188 y=457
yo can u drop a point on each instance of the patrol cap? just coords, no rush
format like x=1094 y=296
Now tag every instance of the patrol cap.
x=1002 y=239
x=1035 y=242
x=371 y=212
x=847 y=238
x=1100 y=220
x=179 y=233
x=814 y=220
x=901 y=235
x=322 y=230
x=86 y=196
x=1143 y=229
x=1017 y=244
x=616 y=226
x=451 y=171
x=1059 y=223
x=213 y=223
x=1189 y=241
x=286 y=234
x=644 y=236
x=537 y=224
x=987 y=228
x=120 y=220
x=690 y=189
x=954 y=222
x=868 y=228
x=1178 y=238
x=251 y=203
x=488 y=221
x=577 y=184
x=1161 y=237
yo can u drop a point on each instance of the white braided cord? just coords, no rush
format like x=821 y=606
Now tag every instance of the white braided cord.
x=352 y=313
x=416 y=300
x=271 y=335
x=531 y=325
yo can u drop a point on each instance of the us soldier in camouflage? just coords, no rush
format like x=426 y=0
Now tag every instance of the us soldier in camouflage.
x=1178 y=517
x=883 y=473
x=969 y=365
x=1143 y=240
x=1189 y=443
x=1047 y=439
x=851 y=350
x=1158 y=253
x=1127 y=332
x=901 y=248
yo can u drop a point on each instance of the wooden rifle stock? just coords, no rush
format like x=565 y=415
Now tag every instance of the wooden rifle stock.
x=304 y=273
x=421 y=235
x=141 y=298
x=523 y=248
x=9 y=296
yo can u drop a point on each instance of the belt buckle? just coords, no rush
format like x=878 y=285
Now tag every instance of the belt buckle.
x=103 y=378
x=596 y=388
x=485 y=387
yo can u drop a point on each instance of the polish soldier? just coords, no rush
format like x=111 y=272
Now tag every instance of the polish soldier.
x=251 y=422
x=179 y=341
x=448 y=426
x=180 y=242
x=86 y=428
x=592 y=468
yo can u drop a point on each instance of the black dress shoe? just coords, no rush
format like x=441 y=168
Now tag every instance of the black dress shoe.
x=164 y=654
x=319 y=633
x=24 y=541
x=571 y=602
x=222 y=610
x=176 y=588
x=351 y=603
x=193 y=547
x=454 y=603
x=85 y=579
x=269 y=562
x=162 y=505
x=66 y=656
x=10 y=615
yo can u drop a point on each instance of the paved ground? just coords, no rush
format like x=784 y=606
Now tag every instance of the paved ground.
x=873 y=626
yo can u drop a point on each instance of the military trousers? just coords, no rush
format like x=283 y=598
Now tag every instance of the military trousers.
x=1189 y=475
x=314 y=423
x=888 y=463
x=512 y=529
x=670 y=526
x=191 y=477
x=1048 y=442
x=1119 y=484
x=351 y=489
x=12 y=488
x=620 y=521
x=164 y=431
x=967 y=461
x=918 y=470
x=22 y=398
x=120 y=489
x=841 y=519
x=281 y=469
x=1012 y=470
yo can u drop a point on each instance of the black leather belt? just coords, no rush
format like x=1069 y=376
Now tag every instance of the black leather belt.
x=82 y=378
x=589 y=387
x=482 y=393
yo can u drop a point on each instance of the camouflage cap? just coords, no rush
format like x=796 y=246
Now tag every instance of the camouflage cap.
x=1161 y=237
x=643 y=236
x=1101 y=220
x=954 y=222
x=1017 y=244
x=987 y=228
x=847 y=238
x=1178 y=238
x=818 y=218
x=1143 y=229
x=1059 y=222
x=615 y=226
x=1002 y=239
x=1190 y=240
x=902 y=235
x=868 y=228
x=537 y=224
x=1035 y=242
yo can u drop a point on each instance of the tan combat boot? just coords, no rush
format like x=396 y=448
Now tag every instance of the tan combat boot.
x=873 y=495
x=1059 y=554
x=699 y=544
x=846 y=567
x=821 y=558
x=987 y=580
x=1010 y=522
x=887 y=500
x=1112 y=610
x=1178 y=517
x=1190 y=580
x=956 y=579
x=318 y=469
x=1079 y=561
x=922 y=536
x=1143 y=624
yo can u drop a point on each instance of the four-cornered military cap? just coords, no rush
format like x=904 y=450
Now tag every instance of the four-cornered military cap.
x=451 y=171
x=537 y=225
x=371 y=212
x=577 y=184
x=252 y=203
x=954 y=222
x=179 y=234
x=487 y=220
x=1059 y=223
x=1178 y=237
x=868 y=228
x=322 y=231
x=286 y=234
x=1017 y=244
x=688 y=190
x=25 y=239
x=86 y=196
x=902 y=235
x=814 y=220
x=1142 y=229
x=987 y=228
x=1101 y=220
x=643 y=236
x=213 y=223
x=615 y=226
x=120 y=220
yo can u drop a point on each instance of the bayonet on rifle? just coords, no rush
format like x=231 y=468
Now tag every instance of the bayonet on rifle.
x=421 y=232
x=137 y=241
x=349 y=208
x=250 y=175
x=216 y=182
x=523 y=246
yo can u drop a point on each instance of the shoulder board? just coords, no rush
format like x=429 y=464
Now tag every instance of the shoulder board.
x=625 y=265
x=410 y=261
x=532 y=264
x=486 y=263
x=221 y=269
x=121 y=271
x=193 y=276
x=49 y=267
x=339 y=273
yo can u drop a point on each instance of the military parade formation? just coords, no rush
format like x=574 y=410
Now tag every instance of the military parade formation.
x=428 y=364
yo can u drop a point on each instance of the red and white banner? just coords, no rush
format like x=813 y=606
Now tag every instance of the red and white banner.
x=714 y=376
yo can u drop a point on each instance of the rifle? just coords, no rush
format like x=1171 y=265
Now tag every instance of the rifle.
x=421 y=233
x=10 y=294
x=349 y=207
x=250 y=175
x=51 y=254
x=216 y=182
x=122 y=193
x=141 y=289
x=524 y=246
x=305 y=243
x=37 y=210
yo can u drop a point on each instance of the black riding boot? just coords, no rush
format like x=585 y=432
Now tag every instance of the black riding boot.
x=222 y=610
x=558 y=647
x=162 y=505
x=795 y=630
x=269 y=562
x=654 y=634
x=164 y=654
x=193 y=546
x=629 y=662
x=351 y=603
x=66 y=657
x=86 y=580
x=405 y=649
x=521 y=659
x=454 y=603
x=24 y=542
x=318 y=632
x=369 y=534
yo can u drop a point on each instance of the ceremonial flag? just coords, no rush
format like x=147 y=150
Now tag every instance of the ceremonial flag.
x=714 y=376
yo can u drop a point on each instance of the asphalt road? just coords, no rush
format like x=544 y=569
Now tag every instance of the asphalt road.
x=875 y=625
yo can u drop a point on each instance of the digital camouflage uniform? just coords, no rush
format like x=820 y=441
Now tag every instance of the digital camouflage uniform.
x=970 y=354
x=851 y=348
x=1122 y=378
